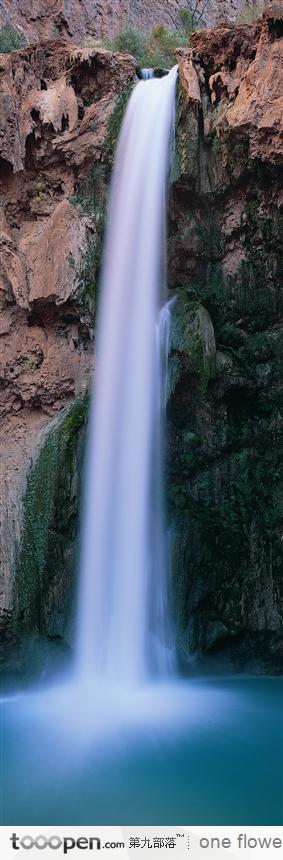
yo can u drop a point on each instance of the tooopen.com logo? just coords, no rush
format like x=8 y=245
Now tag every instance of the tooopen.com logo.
x=66 y=843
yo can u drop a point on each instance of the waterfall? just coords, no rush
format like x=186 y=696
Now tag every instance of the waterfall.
x=122 y=632
x=147 y=74
x=163 y=345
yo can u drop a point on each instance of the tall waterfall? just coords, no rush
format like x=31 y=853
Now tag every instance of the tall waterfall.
x=123 y=623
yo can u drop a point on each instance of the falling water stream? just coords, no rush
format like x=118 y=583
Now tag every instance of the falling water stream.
x=146 y=74
x=123 y=628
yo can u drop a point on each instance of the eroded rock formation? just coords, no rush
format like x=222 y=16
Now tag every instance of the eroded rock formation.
x=80 y=19
x=56 y=102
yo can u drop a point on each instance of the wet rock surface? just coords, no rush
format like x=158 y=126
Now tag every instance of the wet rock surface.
x=225 y=414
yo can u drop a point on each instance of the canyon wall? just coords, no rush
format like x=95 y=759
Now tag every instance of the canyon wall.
x=56 y=105
x=225 y=397
x=80 y=19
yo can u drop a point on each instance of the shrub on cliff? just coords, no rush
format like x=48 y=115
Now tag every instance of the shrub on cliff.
x=162 y=45
x=130 y=41
x=11 y=40
x=249 y=13
x=155 y=49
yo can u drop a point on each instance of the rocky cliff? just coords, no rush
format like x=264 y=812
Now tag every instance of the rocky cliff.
x=56 y=106
x=225 y=398
x=61 y=113
x=80 y=19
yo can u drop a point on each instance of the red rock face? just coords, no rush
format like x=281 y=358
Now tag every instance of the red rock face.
x=242 y=70
x=45 y=149
x=232 y=85
x=258 y=107
x=80 y=19
x=55 y=105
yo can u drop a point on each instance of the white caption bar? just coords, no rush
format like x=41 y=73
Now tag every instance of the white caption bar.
x=56 y=843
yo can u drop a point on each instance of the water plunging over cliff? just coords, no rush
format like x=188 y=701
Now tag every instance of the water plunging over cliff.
x=147 y=74
x=122 y=622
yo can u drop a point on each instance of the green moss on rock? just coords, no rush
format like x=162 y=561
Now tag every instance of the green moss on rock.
x=115 y=121
x=11 y=39
x=91 y=201
x=224 y=491
x=45 y=562
x=193 y=335
x=187 y=141
x=88 y=278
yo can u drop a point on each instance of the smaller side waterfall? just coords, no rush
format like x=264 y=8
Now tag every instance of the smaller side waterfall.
x=147 y=74
x=162 y=639
x=163 y=336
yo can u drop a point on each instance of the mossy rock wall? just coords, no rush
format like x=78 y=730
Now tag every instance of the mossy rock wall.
x=91 y=200
x=45 y=574
x=225 y=418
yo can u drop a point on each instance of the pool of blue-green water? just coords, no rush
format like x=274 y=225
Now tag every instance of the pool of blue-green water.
x=201 y=751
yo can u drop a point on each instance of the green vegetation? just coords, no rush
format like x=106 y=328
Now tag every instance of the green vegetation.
x=225 y=515
x=226 y=509
x=11 y=40
x=209 y=290
x=90 y=199
x=192 y=341
x=224 y=492
x=186 y=21
x=50 y=510
x=115 y=121
x=254 y=293
x=230 y=337
x=91 y=192
x=86 y=290
x=249 y=13
x=155 y=49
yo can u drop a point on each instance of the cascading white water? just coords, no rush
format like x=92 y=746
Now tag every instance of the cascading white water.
x=161 y=640
x=147 y=74
x=163 y=339
x=122 y=597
